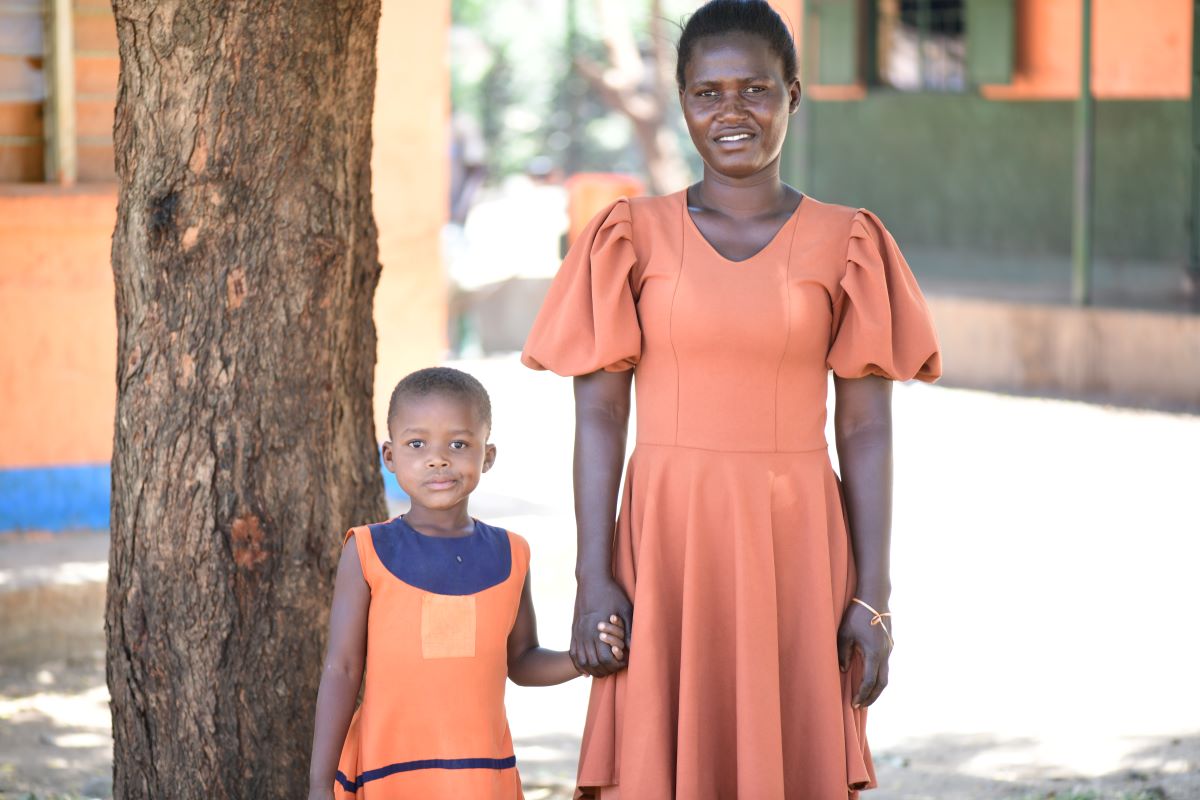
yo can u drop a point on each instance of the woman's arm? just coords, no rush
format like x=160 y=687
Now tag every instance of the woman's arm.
x=529 y=664
x=341 y=677
x=601 y=424
x=863 y=430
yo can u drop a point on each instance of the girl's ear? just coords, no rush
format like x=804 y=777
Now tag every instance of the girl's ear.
x=489 y=457
x=387 y=457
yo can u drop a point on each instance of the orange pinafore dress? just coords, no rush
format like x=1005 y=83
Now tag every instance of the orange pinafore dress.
x=432 y=723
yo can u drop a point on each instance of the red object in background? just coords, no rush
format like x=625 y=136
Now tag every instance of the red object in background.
x=589 y=193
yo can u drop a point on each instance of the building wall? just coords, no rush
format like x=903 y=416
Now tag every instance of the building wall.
x=57 y=316
x=992 y=169
x=1140 y=50
x=958 y=170
x=411 y=187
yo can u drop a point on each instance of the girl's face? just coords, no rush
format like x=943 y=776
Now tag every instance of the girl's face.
x=736 y=101
x=438 y=450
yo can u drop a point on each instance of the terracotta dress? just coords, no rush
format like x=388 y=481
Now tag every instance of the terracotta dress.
x=432 y=724
x=731 y=539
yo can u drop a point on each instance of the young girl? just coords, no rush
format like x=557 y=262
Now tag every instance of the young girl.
x=438 y=606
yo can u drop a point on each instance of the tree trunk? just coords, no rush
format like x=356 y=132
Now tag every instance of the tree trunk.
x=245 y=264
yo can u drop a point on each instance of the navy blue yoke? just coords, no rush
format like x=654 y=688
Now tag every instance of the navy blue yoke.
x=458 y=566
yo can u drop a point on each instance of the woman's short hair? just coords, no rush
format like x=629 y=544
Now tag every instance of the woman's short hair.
x=721 y=17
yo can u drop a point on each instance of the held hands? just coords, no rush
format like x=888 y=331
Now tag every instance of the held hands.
x=874 y=641
x=597 y=602
x=612 y=633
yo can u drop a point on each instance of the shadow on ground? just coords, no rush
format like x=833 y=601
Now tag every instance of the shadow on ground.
x=967 y=768
x=55 y=739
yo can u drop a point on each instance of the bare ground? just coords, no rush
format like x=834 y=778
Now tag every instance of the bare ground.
x=1044 y=552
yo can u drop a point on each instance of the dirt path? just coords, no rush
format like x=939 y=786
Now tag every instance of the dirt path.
x=1043 y=559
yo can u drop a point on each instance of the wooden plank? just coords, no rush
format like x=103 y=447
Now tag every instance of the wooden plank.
x=21 y=79
x=97 y=75
x=60 y=155
x=96 y=34
x=23 y=119
x=94 y=117
x=20 y=34
x=20 y=164
x=96 y=164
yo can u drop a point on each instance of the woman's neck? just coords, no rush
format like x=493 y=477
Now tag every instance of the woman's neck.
x=758 y=195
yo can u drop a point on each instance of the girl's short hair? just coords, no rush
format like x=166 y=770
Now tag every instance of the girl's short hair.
x=755 y=17
x=444 y=381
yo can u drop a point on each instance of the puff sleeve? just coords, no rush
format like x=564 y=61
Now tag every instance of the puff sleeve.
x=588 y=320
x=881 y=323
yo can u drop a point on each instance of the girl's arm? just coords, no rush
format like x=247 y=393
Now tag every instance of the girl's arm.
x=863 y=431
x=532 y=665
x=601 y=422
x=342 y=676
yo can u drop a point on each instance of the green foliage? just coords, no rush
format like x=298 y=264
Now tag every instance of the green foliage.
x=512 y=70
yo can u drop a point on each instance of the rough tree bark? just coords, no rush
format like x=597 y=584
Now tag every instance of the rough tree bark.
x=245 y=263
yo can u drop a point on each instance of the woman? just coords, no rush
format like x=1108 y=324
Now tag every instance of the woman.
x=760 y=584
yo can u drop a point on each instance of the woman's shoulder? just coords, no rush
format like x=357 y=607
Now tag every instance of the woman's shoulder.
x=829 y=213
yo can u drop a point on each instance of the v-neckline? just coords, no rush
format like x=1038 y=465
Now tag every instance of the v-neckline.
x=788 y=223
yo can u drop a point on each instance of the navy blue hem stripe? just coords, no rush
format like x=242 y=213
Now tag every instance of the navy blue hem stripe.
x=428 y=763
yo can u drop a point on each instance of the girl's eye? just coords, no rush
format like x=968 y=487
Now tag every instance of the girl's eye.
x=416 y=444
x=458 y=445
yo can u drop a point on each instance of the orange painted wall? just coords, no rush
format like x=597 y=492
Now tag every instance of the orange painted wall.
x=1141 y=50
x=411 y=180
x=1137 y=53
x=57 y=319
x=58 y=328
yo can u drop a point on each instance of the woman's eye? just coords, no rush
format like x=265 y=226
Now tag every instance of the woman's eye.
x=756 y=89
x=707 y=93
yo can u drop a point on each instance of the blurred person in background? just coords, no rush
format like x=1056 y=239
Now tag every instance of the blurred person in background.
x=760 y=581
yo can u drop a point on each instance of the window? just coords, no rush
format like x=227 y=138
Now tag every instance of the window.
x=921 y=45
x=58 y=82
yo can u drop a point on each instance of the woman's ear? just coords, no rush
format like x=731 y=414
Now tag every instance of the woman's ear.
x=794 y=93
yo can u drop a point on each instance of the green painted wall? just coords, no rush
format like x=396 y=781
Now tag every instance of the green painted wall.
x=961 y=172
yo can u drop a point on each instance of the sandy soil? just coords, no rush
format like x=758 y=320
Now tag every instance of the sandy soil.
x=1043 y=558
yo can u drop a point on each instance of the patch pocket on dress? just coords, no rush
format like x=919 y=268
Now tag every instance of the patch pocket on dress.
x=447 y=626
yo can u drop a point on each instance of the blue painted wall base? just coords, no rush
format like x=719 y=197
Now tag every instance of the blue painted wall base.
x=77 y=497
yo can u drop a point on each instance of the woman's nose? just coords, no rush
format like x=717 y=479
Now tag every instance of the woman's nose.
x=732 y=108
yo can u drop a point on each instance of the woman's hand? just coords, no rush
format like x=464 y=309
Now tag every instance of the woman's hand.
x=320 y=794
x=873 y=642
x=596 y=601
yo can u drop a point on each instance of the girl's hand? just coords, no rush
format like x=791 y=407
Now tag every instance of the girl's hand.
x=597 y=600
x=856 y=631
x=612 y=633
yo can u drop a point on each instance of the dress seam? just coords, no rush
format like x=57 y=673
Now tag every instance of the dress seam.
x=787 y=336
x=674 y=294
x=822 y=448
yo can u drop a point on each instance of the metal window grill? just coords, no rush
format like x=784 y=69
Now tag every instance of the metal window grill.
x=921 y=45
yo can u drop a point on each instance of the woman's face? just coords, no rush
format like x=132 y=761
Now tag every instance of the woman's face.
x=736 y=101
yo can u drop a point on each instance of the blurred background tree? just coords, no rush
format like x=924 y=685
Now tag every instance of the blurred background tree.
x=587 y=85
